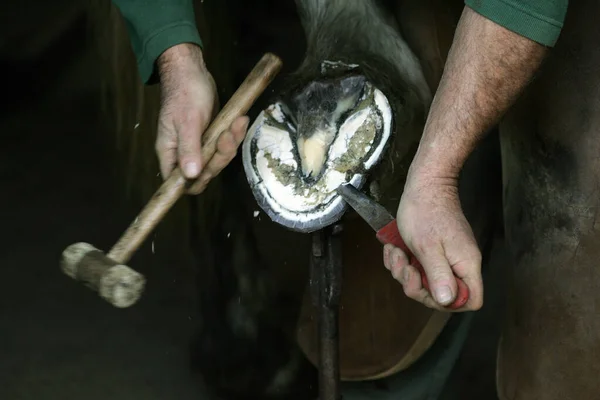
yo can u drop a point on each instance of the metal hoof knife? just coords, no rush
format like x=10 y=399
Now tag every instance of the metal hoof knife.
x=386 y=228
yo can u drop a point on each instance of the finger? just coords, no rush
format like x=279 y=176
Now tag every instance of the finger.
x=469 y=270
x=222 y=157
x=413 y=288
x=442 y=281
x=387 y=262
x=239 y=129
x=399 y=260
x=227 y=146
x=198 y=186
x=167 y=154
x=410 y=279
x=189 y=144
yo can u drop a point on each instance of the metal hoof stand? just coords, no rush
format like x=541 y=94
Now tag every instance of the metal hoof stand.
x=325 y=290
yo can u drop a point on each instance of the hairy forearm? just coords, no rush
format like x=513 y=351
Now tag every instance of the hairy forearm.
x=487 y=68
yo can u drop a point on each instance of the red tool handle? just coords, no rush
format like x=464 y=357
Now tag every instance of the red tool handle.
x=389 y=235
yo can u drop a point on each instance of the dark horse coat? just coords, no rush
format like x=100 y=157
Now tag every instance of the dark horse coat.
x=550 y=346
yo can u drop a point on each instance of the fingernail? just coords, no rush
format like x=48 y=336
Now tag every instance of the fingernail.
x=191 y=169
x=443 y=294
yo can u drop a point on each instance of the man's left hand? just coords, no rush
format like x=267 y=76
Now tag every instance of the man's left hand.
x=433 y=226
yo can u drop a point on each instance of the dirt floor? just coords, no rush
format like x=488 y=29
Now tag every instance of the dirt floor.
x=58 y=340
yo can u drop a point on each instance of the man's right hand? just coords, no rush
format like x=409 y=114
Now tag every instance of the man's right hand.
x=189 y=102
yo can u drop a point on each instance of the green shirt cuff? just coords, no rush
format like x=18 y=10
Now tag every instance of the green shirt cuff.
x=154 y=26
x=159 y=41
x=540 y=21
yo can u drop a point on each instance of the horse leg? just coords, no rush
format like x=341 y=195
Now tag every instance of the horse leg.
x=245 y=347
x=550 y=343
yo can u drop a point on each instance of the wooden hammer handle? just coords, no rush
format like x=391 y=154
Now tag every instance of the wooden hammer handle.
x=175 y=186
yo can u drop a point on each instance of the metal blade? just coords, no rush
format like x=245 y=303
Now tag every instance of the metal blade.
x=372 y=212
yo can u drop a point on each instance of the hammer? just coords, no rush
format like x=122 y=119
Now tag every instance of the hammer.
x=107 y=274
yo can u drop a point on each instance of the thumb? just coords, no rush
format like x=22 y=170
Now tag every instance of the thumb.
x=189 y=147
x=442 y=282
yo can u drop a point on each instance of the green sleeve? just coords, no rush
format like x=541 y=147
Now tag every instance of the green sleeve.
x=156 y=25
x=538 y=20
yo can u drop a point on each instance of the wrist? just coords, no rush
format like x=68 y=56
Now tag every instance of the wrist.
x=434 y=165
x=181 y=57
x=434 y=168
x=437 y=160
x=419 y=180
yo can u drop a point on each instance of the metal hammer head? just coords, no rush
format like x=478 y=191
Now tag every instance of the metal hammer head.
x=116 y=283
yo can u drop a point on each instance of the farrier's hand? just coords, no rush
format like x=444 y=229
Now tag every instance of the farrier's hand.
x=433 y=226
x=189 y=101
x=487 y=68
